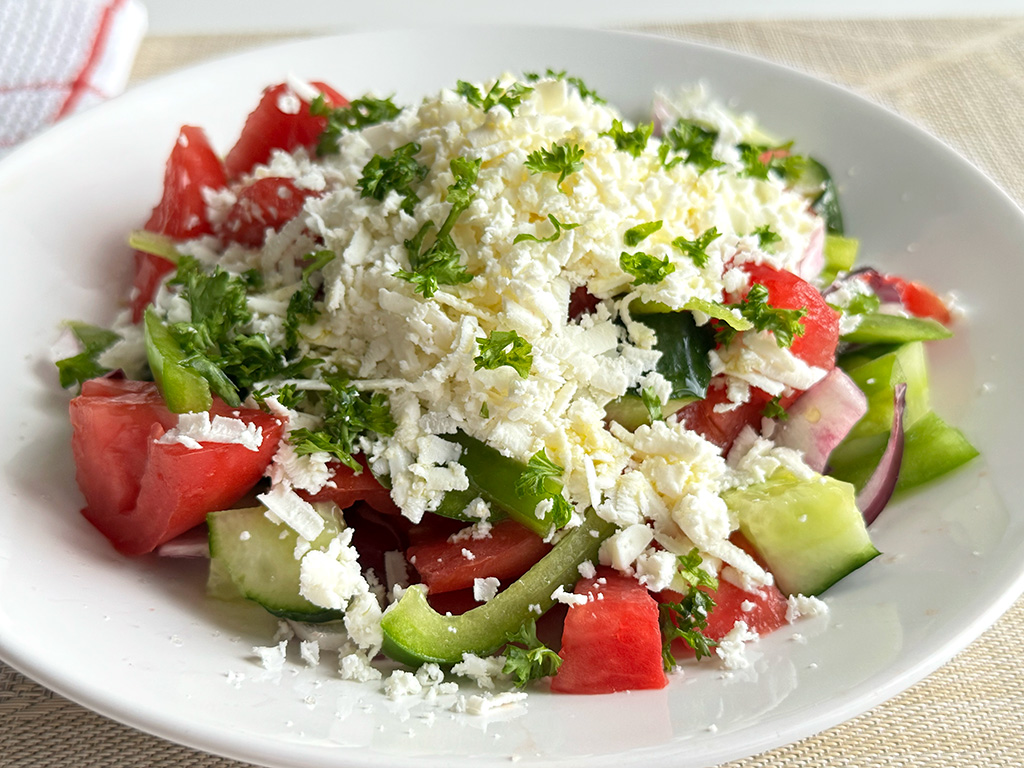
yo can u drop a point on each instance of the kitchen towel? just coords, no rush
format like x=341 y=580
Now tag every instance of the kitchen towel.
x=58 y=57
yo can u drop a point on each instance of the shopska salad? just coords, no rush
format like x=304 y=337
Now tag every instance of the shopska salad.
x=423 y=373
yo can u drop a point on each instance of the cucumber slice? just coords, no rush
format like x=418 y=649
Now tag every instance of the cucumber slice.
x=258 y=557
x=810 y=533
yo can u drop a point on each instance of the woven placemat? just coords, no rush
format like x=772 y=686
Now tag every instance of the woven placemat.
x=963 y=80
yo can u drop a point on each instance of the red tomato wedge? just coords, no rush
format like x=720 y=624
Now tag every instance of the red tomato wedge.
x=613 y=642
x=722 y=428
x=265 y=204
x=140 y=493
x=506 y=554
x=346 y=487
x=181 y=212
x=766 y=612
x=817 y=345
x=280 y=121
x=919 y=300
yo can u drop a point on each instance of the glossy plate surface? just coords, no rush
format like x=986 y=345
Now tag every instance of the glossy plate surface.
x=137 y=641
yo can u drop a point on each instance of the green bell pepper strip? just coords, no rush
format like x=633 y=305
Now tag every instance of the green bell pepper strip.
x=879 y=328
x=414 y=633
x=495 y=478
x=183 y=389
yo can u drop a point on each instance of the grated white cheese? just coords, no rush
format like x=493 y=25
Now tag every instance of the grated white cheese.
x=193 y=429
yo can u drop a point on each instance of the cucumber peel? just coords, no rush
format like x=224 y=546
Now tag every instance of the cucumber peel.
x=257 y=557
x=809 y=532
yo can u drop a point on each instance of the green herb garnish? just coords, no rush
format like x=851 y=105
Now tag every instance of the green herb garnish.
x=502 y=348
x=398 y=173
x=635 y=235
x=527 y=658
x=563 y=159
x=634 y=142
x=359 y=113
x=645 y=269
x=697 y=249
x=559 y=226
x=783 y=323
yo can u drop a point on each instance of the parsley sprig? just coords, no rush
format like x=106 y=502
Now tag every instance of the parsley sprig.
x=688 y=618
x=635 y=235
x=527 y=658
x=398 y=173
x=697 y=249
x=79 y=368
x=538 y=470
x=440 y=263
x=634 y=142
x=349 y=414
x=646 y=269
x=509 y=96
x=783 y=323
x=359 y=113
x=767 y=238
x=559 y=226
x=502 y=348
x=563 y=159
x=690 y=142
x=301 y=307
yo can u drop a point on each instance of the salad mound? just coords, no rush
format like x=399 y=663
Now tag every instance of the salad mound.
x=426 y=372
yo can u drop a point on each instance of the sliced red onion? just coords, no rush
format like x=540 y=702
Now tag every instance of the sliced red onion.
x=875 y=495
x=821 y=417
x=192 y=543
x=813 y=259
x=881 y=287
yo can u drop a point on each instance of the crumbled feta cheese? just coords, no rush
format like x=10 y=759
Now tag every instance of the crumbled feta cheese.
x=568 y=598
x=401 y=683
x=196 y=428
x=732 y=650
x=285 y=506
x=486 y=703
x=272 y=657
x=356 y=667
x=798 y=606
x=483 y=671
x=484 y=590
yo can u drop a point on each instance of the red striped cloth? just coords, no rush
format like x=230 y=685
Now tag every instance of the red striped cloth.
x=58 y=57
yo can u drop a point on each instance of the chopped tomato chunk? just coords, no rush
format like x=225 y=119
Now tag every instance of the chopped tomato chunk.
x=817 y=345
x=265 y=204
x=347 y=486
x=613 y=641
x=181 y=213
x=280 y=121
x=139 y=492
x=919 y=300
x=506 y=554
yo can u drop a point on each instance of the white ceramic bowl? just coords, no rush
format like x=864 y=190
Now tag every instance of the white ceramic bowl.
x=136 y=639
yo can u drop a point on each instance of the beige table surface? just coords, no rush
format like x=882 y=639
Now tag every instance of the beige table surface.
x=963 y=80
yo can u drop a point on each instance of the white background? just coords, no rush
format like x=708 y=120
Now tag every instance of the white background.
x=224 y=16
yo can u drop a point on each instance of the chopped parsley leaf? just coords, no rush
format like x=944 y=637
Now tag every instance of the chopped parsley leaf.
x=563 y=159
x=440 y=264
x=652 y=403
x=634 y=142
x=507 y=96
x=85 y=365
x=538 y=469
x=694 y=140
x=783 y=323
x=399 y=173
x=686 y=619
x=646 y=269
x=527 y=658
x=349 y=414
x=358 y=114
x=559 y=226
x=690 y=570
x=301 y=309
x=697 y=249
x=505 y=348
x=634 y=235
x=767 y=238
x=773 y=409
